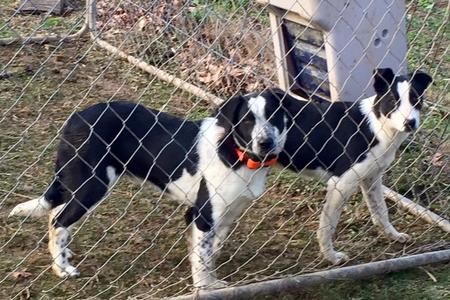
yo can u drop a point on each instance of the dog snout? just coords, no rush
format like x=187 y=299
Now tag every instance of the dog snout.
x=410 y=125
x=266 y=145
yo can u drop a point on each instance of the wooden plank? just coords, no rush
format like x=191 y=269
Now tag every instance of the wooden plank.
x=306 y=34
x=38 y=6
x=279 y=51
x=307 y=63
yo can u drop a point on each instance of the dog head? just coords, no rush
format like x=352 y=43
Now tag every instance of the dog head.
x=256 y=122
x=399 y=98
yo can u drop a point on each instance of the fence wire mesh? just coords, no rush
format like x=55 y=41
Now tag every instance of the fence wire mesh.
x=133 y=244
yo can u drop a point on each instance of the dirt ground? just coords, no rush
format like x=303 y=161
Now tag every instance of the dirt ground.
x=133 y=244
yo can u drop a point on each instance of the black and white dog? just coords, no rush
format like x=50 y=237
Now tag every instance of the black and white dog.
x=216 y=166
x=349 y=144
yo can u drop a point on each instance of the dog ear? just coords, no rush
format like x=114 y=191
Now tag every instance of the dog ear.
x=227 y=112
x=282 y=96
x=278 y=93
x=420 y=81
x=382 y=80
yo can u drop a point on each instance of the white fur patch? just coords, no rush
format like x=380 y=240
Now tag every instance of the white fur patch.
x=34 y=208
x=112 y=175
x=382 y=127
x=262 y=129
x=185 y=188
x=406 y=111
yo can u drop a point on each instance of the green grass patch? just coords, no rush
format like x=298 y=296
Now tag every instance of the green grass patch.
x=5 y=30
x=52 y=22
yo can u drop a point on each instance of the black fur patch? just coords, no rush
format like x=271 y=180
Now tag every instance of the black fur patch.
x=202 y=212
x=385 y=85
x=334 y=136
x=151 y=144
x=330 y=136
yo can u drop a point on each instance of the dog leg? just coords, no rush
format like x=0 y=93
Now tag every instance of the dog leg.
x=337 y=195
x=203 y=260
x=225 y=217
x=88 y=190
x=58 y=240
x=206 y=245
x=373 y=195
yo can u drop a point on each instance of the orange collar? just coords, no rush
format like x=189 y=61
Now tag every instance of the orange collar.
x=253 y=164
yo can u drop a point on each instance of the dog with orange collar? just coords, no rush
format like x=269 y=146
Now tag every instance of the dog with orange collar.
x=216 y=166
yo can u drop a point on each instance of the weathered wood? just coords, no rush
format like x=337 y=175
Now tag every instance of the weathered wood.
x=307 y=59
x=306 y=34
x=37 y=6
x=279 y=51
x=416 y=209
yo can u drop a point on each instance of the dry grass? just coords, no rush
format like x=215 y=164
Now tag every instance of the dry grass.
x=133 y=239
x=133 y=243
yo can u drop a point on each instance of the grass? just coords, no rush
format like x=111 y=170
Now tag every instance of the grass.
x=130 y=245
x=5 y=31
x=205 y=8
x=52 y=22
x=412 y=284
x=26 y=24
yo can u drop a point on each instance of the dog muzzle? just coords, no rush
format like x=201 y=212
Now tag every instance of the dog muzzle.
x=254 y=164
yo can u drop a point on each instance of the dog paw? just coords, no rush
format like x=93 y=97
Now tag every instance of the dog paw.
x=337 y=258
x=18 y=210
x=400 y=237
x=211 y=284
x=65 y=271
x=33 y=208
x=72 y=271
x=218 y=284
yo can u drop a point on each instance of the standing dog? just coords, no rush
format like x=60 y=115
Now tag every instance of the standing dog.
x=349 y=144
x=216 y=166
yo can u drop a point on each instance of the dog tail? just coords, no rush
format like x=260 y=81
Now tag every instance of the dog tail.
x=41 y=206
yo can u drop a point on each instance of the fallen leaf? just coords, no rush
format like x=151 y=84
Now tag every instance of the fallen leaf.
x=437 y=159
x=25 y=294
x=22 y=274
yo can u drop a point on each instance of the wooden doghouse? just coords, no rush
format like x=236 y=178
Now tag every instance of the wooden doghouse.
x=329 y=48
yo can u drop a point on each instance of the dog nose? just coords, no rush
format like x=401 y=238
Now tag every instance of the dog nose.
x=266 y=145
x=410 y=125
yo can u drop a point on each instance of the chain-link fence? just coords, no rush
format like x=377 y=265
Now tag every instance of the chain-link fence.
x=194 y=54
